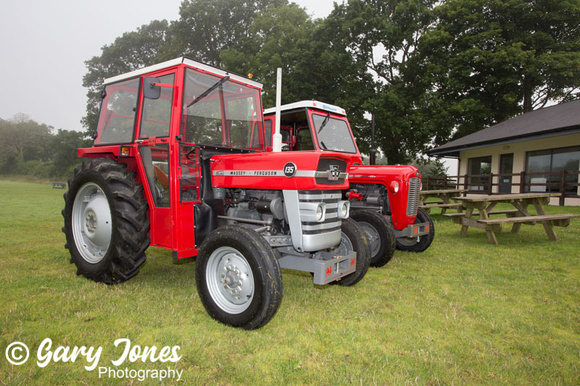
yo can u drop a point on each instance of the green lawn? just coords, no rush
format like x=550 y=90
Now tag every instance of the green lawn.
x=463 y=311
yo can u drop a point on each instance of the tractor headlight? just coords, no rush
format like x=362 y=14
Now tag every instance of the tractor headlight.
x=313 y=211
x=343 y=209
x=394 y=187
x=319 y=213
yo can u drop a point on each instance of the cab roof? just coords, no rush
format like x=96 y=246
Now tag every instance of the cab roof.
x=189 y=63
x=312 y=104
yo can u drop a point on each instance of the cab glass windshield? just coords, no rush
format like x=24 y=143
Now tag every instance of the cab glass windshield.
x=221 y=112
x=333 y=134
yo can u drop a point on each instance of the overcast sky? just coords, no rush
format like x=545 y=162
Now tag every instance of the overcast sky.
x=44 y=44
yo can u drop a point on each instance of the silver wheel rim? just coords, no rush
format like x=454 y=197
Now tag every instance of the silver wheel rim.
x=230 y=280
x=345 y=246
x=409 y=241
x=373 y=236
x=92 y=225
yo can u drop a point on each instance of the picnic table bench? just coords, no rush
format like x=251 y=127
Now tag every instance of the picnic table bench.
x=479 y=208
x=59 y=185
x=443 y=199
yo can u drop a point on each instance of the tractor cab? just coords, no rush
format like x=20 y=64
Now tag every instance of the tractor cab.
x=312 y=125
x=163 y=121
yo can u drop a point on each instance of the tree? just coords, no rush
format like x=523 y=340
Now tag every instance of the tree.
x=280 y=36
x=21 y=139
x=207 y=27
x=381 y=37
x=487 y=61
x=427 y=69
x=62 y=149
x=129 y=52
x=431 y=167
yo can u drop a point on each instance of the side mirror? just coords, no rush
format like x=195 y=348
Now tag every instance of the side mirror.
x=150 y=90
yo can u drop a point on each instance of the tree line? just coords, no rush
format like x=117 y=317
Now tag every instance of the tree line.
x=36 y=149
x=429 y=71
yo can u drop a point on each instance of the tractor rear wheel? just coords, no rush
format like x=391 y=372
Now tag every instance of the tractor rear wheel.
x=353 y=238
x=238 y=277
x=422 y=242
x=105 y=221
x=380 y=234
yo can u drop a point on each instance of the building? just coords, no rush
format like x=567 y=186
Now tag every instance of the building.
x=528 y=153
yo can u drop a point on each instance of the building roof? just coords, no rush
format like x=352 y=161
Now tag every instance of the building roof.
x=550 y=121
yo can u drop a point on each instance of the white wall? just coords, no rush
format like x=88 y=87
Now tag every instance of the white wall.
x=519 y=150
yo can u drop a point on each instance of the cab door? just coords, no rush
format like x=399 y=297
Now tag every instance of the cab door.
x=154 y=154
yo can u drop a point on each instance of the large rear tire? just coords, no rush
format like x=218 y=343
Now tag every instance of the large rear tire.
x=380 y=234
x=420 y=245
x=238 y=277
x=105 y=221
x=353 y=238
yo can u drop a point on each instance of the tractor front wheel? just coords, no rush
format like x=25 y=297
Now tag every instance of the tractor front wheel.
x=422 y=242
x=380 y=235
x=353 y=238
x=105 y=221
x=238 y=277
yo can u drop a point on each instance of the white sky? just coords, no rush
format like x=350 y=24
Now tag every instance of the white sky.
x=44 y=44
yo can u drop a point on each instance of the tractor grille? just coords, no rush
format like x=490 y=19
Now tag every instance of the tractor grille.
x=413 y=198
x=331 y=171
x=331 y=221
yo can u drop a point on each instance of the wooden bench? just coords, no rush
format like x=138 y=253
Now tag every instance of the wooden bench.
x=454 y=214
x=427 y=206
x=479 y=213
x=509 y=212
x=547 y=220
x=556 y=219
x=433 y=203
x=439 y=205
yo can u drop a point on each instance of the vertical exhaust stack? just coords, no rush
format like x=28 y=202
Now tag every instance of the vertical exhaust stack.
x=372 y=151
x=277 y=137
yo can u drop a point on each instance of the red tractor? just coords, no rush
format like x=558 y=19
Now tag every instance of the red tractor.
x=384 y=199
x=179 y=161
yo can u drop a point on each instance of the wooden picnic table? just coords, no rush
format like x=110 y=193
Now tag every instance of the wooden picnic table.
x=479 y=208
x=443 y=196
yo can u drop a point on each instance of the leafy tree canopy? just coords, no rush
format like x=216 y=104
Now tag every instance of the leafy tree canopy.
x=29 y=147
x=426 y=69
x=129 y=52
x=486 y=61
x=21 y=139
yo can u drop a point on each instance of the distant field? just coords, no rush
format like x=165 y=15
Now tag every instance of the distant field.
x=464 y=311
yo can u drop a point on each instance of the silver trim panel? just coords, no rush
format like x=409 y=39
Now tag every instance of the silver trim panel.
x=261 y=173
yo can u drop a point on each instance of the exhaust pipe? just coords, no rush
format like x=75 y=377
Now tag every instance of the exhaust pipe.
x=277 y=137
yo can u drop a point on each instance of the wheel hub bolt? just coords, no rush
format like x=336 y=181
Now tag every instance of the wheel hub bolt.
x=91 y=222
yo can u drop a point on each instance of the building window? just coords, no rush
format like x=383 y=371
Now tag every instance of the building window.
x=543 y=169
x=479 y=169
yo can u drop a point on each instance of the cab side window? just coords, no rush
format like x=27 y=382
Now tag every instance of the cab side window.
x=304 y=139
x=118 y=110
x=156 y=116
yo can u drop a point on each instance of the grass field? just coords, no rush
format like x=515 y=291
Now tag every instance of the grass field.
x=463 y=311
